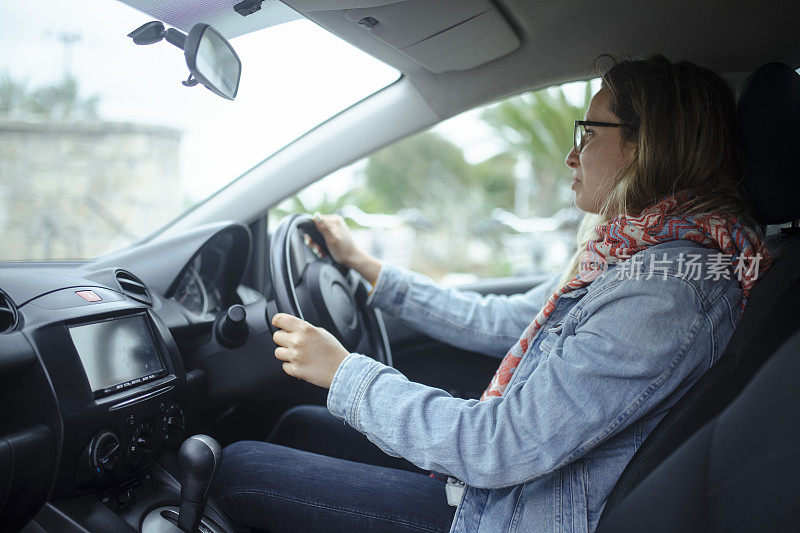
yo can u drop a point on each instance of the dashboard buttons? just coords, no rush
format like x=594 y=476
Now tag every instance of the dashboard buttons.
x=174 y=424
x=115 y=453
x=141 y=445
x=120 y=496
x=89 y=295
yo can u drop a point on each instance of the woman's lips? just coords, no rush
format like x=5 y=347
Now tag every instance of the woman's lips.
x=574 y=181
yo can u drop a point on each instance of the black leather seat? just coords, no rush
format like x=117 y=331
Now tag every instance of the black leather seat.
x=769 y=114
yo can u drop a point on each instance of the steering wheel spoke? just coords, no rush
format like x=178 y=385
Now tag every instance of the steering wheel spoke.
x=355 y=283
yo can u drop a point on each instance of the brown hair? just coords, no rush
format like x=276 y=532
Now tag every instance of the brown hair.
x=681 y=123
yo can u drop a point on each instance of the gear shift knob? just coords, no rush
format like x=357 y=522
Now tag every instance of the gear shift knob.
x=199 y=459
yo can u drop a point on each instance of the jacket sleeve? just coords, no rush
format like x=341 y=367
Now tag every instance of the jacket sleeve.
x=488 y=324
x=631 y=347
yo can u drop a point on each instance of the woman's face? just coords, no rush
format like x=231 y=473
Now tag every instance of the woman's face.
x=603 y=155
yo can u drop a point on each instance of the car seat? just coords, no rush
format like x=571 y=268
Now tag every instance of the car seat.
x=738 y=473
x=769 y=113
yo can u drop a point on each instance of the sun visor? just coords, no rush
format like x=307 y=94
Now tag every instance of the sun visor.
x=440 y=36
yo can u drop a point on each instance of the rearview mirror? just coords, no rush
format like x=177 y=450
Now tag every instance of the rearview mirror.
x=212 y=61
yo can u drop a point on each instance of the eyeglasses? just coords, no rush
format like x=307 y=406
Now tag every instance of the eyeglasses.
x=579 y=134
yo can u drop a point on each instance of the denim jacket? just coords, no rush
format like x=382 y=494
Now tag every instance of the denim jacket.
x=609 y=362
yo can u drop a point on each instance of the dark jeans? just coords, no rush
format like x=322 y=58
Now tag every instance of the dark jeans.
x=318 y=474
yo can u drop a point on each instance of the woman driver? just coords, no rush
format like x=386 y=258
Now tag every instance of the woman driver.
x=646 y=306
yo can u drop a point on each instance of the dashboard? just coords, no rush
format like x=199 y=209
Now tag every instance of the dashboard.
x=104 y=364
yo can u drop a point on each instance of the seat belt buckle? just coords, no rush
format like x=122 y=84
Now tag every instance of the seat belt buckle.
x=454 y=489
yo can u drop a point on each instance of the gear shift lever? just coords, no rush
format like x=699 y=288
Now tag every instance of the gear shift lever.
x=199 y=459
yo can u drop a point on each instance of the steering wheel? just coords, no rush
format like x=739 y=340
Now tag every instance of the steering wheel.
x=321 y=291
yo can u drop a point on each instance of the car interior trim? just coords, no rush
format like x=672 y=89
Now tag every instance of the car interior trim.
x=139 y=399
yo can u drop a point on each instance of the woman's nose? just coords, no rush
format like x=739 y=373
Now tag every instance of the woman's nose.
x=572 y=160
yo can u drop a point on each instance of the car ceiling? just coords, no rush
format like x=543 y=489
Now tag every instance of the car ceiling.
x=559 y=40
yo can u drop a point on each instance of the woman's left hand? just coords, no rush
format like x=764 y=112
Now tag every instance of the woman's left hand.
x=310 y=353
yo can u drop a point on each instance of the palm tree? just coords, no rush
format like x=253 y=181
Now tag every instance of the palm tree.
x=538 y=126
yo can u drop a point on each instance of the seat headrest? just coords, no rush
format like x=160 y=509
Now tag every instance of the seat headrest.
x=769 y=132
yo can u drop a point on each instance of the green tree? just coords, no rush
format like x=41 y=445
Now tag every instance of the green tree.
x=539 y=126
x=401 y=175
x=13 y=94
x=431 y=174
x=410 y=172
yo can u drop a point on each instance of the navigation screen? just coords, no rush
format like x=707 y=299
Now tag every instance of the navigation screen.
x=116 y=351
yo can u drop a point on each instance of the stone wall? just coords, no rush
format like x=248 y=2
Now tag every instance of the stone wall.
x=71 y=190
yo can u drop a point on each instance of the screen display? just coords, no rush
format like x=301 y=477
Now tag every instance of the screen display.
x=116 y=351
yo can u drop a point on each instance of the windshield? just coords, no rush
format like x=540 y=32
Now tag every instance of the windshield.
x=101 y=144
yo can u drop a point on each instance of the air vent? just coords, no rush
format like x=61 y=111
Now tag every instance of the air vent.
x=133 y=287
x=8 y=313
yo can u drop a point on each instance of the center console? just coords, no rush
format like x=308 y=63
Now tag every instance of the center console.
x=119 y=354
x=122 y=392
x=119 y=381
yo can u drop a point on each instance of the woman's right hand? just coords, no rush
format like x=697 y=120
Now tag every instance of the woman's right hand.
x=343 y=248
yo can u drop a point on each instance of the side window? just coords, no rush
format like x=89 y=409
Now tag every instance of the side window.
x=484 y=194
